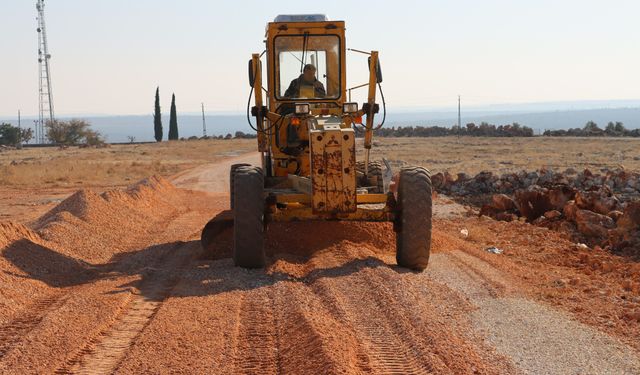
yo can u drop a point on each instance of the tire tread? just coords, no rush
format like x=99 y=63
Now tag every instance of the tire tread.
x=413 y=238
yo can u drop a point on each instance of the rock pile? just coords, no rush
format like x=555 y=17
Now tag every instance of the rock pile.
x=598 y=209
x=618 y=180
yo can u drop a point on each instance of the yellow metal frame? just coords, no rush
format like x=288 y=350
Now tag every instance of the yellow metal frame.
x=330 y=167
x=306 y=198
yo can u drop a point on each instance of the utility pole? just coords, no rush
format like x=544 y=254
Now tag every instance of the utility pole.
x=459 y=122
x=204 y=125
x=45 y=92
x=19 y=132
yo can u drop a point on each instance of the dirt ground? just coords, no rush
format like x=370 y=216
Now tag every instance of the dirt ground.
x=116 y=282
x=500 y=155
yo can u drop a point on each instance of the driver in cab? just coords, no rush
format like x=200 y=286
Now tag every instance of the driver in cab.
x=306 y=86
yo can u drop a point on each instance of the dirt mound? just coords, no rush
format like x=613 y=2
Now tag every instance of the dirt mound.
x=86 y=229
x=26 y=259
x=302 y=239
x=11 y=232
x=93 y=227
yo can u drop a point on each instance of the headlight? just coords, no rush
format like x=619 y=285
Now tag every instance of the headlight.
x=350 y=107
x=302 y=108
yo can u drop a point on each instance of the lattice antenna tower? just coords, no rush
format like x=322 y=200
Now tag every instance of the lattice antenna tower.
x=45 y=92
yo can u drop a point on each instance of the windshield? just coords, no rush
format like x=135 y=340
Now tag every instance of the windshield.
x=307 y=67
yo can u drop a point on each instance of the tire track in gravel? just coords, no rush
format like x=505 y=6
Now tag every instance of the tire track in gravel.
x=11 y=333
x=104 y=353
x=386 y=351
x=31 y=318
x=384 y=347
x=257 y=348
x=395 y=318
x=491 y=286
x=308 y=341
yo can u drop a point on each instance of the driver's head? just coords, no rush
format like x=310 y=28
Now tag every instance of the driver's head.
x=309 y=73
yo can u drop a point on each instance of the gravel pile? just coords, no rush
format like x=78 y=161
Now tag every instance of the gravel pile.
x=11 y=232
x=93 y=227
x=86 y=228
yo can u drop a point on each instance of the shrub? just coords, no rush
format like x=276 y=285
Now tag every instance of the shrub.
x=12 y=135
x=72 y=132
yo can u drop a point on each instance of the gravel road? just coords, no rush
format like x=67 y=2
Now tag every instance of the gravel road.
x=331 y=299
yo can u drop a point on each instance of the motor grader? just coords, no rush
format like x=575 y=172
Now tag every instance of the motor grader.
x=306 y=128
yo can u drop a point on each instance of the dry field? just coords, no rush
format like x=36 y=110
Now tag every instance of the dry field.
x=116 y=165
x=472 y=155
x=33 y=180
x=121 y=165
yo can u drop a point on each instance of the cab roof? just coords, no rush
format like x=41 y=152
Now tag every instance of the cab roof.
x=301 y=18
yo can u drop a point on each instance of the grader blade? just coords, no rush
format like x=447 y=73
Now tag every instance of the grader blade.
x=221 y=222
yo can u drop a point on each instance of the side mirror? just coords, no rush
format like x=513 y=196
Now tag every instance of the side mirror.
x=252 y=71
x=378 y=70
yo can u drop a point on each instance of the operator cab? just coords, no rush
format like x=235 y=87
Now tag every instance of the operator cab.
x=295 y=43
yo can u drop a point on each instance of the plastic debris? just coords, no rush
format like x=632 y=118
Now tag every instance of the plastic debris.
x=464 y=232
x=494 y=250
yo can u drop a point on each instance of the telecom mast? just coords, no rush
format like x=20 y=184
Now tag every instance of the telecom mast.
x=45 y=94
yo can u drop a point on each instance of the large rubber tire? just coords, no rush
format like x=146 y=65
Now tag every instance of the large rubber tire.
x=374 y=177
x=232 y=173
x=248 y=218
x=413 y=221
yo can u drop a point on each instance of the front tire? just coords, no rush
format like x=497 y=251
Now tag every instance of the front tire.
x=248 y=217
x=413 y=221
x=232 y=173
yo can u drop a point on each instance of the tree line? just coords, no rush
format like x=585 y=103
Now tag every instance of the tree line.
x=591 y=129
x=483 y=130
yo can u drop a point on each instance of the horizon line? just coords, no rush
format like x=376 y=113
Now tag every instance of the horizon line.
x=404 y=109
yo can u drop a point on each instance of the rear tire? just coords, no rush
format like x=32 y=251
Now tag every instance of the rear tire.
x=232 y=173
x=413 y=221
x=374 y=177
x=248 y=218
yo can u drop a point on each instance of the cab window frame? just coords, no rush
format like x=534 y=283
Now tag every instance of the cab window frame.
x=276 y=72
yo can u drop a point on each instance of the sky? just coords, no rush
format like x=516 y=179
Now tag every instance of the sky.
x=109 y=56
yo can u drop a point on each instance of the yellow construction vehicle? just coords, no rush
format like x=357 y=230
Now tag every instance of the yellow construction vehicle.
x=306 y=133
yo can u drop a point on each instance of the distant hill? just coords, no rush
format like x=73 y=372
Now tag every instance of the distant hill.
x=118 y=128
x=539 y=121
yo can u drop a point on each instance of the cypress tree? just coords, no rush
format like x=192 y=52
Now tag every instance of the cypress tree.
x=157 y=118
x=173 y=121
